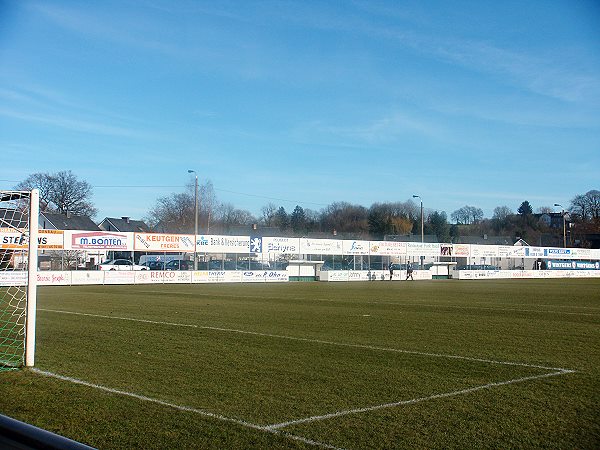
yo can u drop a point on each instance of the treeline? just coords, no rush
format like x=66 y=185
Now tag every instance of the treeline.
x=175 y=213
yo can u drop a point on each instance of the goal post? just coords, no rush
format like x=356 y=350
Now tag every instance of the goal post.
x=19 y=211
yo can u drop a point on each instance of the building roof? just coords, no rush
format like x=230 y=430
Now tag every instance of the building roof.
x=431 y=238
x=59 y=221
x=485 y=240
x=123 y=224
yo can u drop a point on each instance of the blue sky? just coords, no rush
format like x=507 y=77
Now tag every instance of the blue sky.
x=304 y=102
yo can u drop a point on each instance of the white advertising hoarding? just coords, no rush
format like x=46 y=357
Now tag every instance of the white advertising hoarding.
x=87 y=277
x=461 y=250
x=511 y=251
x=216 y=276
x=523 y=274
x=423 y=249
x=158 y=242
x=265 y=276
x=558 y=253
x=388 y=248
x=47 y=239
x=534 y=252
x=162 y=276
x=98 y=240
x=352 y=247
x=119 y=277
x=334 y=275
x=320 y=246
x=484 y=251
x=585 y=253
x=222 y=244
x=54 y=278
x=12 y=278
x=276 y=246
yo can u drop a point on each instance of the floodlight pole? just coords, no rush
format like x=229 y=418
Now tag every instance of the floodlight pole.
x=422 y=235
x=564 y=225
x=422 y=226
x=195 y=219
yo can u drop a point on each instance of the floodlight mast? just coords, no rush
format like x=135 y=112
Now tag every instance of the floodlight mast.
x=195 y=217
x=564 y=224
x=421 y=258
x=422 y=223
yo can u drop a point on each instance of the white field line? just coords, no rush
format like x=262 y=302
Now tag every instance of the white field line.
x=412 y=401
x=201 y=412
x=156 y=322
x=488 y=308
x=436 y=305
x=316 y=341
x=274 y=428
x=484 y=308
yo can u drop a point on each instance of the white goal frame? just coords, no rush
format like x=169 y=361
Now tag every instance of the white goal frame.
x=31 y=251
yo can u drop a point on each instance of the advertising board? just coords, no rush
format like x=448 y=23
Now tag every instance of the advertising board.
x=534 y=252
x=159 y=242
x=54 y=278
x=163 y=276
x=47 y=239
x=573 y=265
x=264 y=276
x=12 y=278
x=87 y=277
x=461 y=250
x=223 y=244
x=334 y=275
x=353 y=247
x=98 y=240
x=423 y=249
x=320 y=246
x=484 y=251
x=387 y=248
x=216 y=276
x=272 y=247
x=119 y=277
x=511 y=251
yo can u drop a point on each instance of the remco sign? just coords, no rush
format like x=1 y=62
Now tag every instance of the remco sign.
x=98 y=240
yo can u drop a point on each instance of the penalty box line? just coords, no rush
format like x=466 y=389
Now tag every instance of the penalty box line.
x=337 y=414
x=316 y=341
x=275 y=428
x=208 y=414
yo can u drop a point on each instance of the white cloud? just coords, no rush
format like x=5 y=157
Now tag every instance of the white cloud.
x=72 y=124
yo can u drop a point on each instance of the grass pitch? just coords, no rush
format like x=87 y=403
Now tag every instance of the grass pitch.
x=439 y=364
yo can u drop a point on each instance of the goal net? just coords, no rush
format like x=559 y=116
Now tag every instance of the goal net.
x=18 y=277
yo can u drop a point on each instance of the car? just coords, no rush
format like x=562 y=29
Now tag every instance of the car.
x=120 y=264
x=154 y=265
x=179 y=264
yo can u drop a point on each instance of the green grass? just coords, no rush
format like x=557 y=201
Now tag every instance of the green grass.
x=259 y=355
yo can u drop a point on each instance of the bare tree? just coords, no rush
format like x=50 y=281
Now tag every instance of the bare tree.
x=501 y=213
x=268 y=214
x=207 y=204
x=173 y=214
x=343 y=216
x=71 y=195
x=467 y=215
x=229 y=216
x=42 y=182
x=587 y=206
x=61 y=192
x=390 y=218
